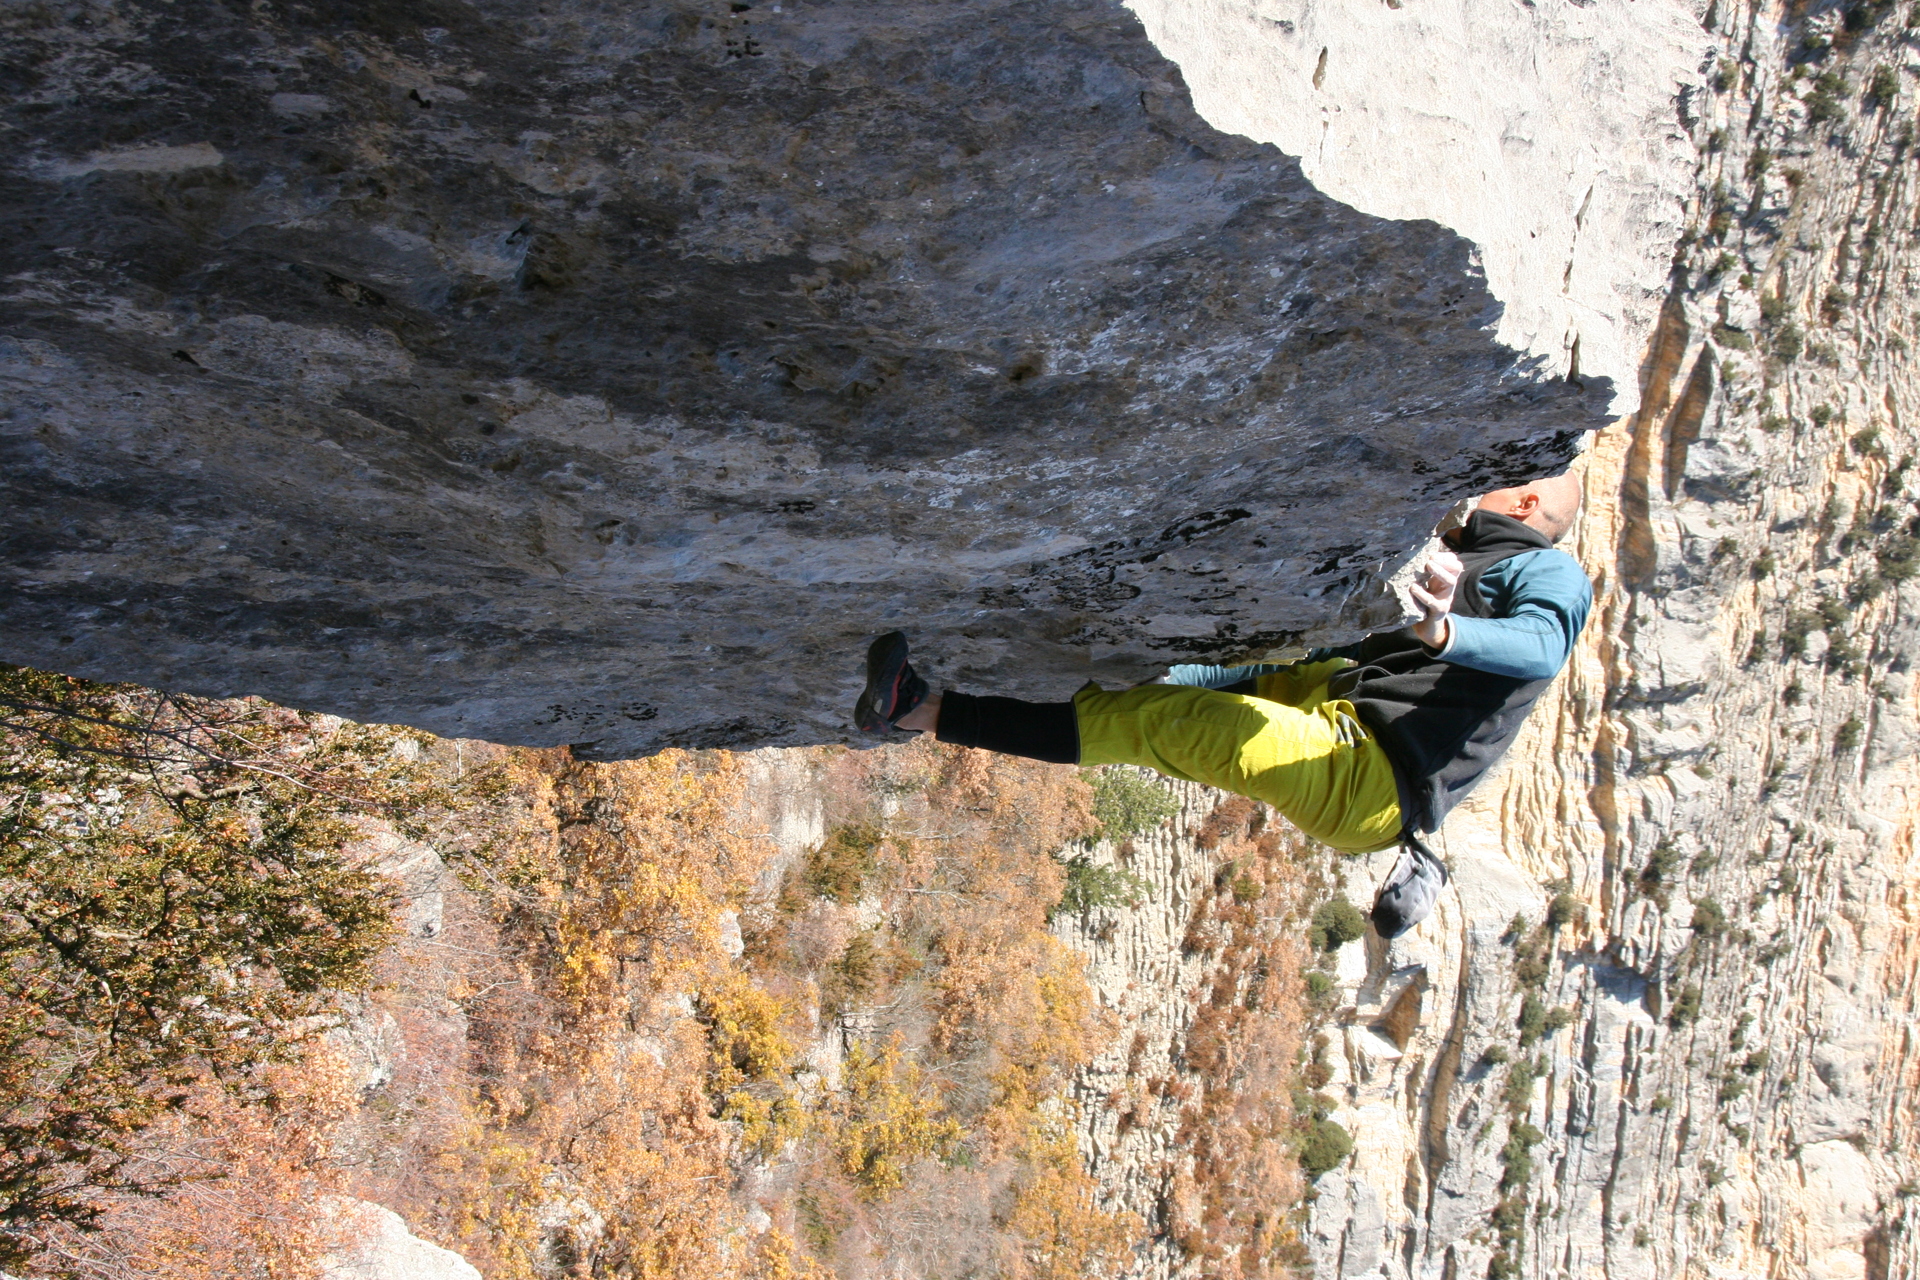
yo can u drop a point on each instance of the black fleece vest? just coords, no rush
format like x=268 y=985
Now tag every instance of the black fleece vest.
x=1443 y=726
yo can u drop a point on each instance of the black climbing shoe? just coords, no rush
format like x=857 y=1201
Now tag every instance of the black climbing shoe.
x=1410 y=890
x=893 y=688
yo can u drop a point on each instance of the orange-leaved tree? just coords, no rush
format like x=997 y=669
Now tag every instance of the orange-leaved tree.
x=255 y=1192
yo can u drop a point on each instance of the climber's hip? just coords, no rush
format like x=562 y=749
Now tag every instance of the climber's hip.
x=1316 y=763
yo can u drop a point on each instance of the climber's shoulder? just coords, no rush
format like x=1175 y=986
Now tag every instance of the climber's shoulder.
x=1547 y=570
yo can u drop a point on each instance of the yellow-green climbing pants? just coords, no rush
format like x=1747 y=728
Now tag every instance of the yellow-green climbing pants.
x=1291 y=746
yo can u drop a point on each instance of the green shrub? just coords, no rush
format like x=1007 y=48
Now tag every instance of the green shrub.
x=1128 y=802
x=1533 y=1019
x=1090 y=888
x=1789 y=342
x=1900 y=558
x=1720 y=221
x=1319 y=985
x=1661 y=864
x=1335 y=923
x=1824 y=103
x=1883 y=88
x=1323 y=1147
x=839 y=867
x=1896 y=478
x=1518 y=1093
x=1517 y=1155
x=1686 y=1007
x=1565 y=909
x=1510 y=1223
x=1865 y=15
x=1848 y=736
x=1794 y=632
x=1662 y=1103
x=1509 y=1217
x=1709 y=919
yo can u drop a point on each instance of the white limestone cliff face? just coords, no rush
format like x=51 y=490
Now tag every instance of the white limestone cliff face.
x=1133 y=1097
x=1722 y=792
x=382 y=1248
x=1545 y=133
x=1727 y=782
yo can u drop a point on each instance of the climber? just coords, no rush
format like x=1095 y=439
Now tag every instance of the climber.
x=1361 y=747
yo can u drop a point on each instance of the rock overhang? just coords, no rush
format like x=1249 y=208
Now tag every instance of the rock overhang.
x=606 y=376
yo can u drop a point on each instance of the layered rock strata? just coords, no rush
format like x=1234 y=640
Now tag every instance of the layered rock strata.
x=1131 y=1095
x=1696 y=1055
x=605 y=374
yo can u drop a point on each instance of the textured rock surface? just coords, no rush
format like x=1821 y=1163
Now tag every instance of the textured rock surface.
x=604 y=373
x=1738 y=733
x=1545 y=133
x=1142 y=968
x=386 y=1250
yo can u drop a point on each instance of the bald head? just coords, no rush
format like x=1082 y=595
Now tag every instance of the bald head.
x=1550 y=505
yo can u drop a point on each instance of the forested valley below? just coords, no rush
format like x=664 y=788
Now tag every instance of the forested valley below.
x=265 y=970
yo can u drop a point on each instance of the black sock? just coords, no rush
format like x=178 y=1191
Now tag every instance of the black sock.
x=1037 y=730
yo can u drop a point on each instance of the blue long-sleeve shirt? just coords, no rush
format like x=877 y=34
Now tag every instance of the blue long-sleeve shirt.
x=1539 y=599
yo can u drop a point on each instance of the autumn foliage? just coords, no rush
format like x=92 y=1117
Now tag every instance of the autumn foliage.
x=898 y=1023
x=633 y=1040
x=251 y=1188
